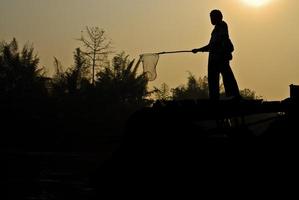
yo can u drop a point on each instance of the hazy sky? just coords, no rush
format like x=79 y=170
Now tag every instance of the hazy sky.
x=266 y=38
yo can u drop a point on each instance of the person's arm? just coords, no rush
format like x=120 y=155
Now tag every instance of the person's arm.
x=202 y=49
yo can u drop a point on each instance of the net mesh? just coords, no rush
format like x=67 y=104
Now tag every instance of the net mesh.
x=150 y=62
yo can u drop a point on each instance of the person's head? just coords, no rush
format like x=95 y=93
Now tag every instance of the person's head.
x=216 y=17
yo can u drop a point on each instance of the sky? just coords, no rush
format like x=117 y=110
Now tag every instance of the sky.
x=266 y=37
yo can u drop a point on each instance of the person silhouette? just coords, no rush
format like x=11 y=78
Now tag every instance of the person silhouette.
x=220 y=50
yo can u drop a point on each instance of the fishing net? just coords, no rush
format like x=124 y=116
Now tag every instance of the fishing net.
x=150 y=62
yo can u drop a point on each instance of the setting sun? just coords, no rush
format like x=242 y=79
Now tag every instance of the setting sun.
x=256 y=3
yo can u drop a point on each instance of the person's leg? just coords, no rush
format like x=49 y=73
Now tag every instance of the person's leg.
x=229 y=81
x=213 y=81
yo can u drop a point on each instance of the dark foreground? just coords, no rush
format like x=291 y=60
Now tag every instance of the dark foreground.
x=175 y=148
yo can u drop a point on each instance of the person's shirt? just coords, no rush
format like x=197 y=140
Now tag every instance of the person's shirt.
x=220 y=45
x=219 y=37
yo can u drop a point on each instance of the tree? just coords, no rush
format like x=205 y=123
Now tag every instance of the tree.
x=20 y=74
x=76 y=74
x=120 y=82
x=199 y=89
x=58 y=81
x=249 y=94
x=71 y=80
x=97 y=47
x=162 y=93
x=194 y=89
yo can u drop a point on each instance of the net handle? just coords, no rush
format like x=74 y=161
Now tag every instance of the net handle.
x=169 y=52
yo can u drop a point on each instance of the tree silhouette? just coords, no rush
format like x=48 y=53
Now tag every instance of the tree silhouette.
x=97 y=47
x=73 y=79
x=195 y=89
x=199 y=89
x=249 y=94
x=20 y=75
x=58 y=82
x=121 y=83
x=162 y=93
x=76 y=75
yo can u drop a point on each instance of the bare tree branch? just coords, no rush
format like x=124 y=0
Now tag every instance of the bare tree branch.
x=96 y=44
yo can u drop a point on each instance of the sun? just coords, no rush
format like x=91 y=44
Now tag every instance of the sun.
x=256 y=3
